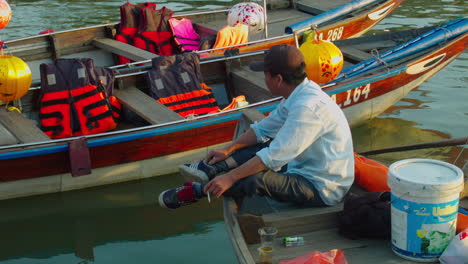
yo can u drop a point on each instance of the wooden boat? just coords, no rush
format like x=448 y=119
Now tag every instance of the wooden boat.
x=32 y=164
x=317 y=226
x=336 y=19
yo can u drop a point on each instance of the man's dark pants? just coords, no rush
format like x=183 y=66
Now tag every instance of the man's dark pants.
x=280 y=186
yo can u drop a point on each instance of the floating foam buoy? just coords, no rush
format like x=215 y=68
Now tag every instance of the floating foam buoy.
x=5 y=13
x=323 y=59
x=15 y=78
x=250 y=14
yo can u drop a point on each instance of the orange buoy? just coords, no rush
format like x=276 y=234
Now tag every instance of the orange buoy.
x=462 y=222
x=370 y=174
x=323 y=59
x=5 y=13
x=15 y=78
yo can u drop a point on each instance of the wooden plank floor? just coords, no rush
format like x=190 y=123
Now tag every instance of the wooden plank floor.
x=22 y=128
x=356 y=251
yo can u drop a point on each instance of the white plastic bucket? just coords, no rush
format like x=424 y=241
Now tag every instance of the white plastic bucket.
x=425 y=195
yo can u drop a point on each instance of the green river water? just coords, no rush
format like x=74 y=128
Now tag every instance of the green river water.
x=122 y=223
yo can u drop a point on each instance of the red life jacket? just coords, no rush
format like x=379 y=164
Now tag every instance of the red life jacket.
x=73 y=99
x=155 y=34
x=177 y=83
x=129 y=21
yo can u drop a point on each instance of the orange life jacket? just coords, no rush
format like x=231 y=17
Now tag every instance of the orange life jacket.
x=73 y=99
x=229 y=36
x=129 y=21
x=155 y=33
x=177 y=83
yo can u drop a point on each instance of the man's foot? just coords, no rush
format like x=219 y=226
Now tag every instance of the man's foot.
x=198 y=172
x=188 y=193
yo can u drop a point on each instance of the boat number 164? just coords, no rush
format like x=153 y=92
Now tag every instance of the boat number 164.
x=353 y=95
x=332 y=34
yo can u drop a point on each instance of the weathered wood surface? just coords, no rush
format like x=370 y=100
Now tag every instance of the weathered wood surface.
x=251 y=84
x=123 y=49
x=355 y=54
x=6 y=138
x=22 y=128
x=298 y=221
x=318 y=227
x=145 y=106
x=356 y=251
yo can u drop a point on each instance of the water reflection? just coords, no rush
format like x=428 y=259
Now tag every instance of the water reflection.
x=382 y=132
x=77 y=223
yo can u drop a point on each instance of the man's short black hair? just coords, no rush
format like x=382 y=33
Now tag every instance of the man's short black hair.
x=295 y=77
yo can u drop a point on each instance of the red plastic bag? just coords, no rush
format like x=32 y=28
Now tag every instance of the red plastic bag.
x=334 y=256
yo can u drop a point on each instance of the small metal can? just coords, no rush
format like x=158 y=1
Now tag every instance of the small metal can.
x=293 y=241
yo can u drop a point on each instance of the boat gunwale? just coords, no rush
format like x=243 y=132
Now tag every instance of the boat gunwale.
x=112 y=137
x=331 y=89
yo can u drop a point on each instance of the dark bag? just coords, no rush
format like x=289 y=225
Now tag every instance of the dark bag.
x=366 y=216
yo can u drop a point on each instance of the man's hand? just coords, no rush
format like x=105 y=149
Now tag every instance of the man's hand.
x=219 y=185
x=217 y=155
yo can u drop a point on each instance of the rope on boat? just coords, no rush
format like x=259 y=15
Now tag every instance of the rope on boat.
x=376 y=55
x=461 y=151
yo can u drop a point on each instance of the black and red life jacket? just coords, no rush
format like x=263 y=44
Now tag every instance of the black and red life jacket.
x=129 y=22
x=155 y=33
x=74 y=99
x=177 y=83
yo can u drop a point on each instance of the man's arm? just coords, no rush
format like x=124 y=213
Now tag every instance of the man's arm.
x=245 y=140
x=221 y=183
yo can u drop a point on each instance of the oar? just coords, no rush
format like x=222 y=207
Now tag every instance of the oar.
x=433 y=144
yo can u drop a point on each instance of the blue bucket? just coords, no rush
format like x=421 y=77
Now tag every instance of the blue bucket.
x=425 y=195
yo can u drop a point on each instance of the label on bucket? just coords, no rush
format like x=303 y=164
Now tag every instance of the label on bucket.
x=422 y=230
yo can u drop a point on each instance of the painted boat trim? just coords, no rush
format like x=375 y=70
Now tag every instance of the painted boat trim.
x=425 y=65
x=379 y=14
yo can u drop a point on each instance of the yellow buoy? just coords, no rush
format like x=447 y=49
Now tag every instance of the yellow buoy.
x=15 y=78
x=323 y=59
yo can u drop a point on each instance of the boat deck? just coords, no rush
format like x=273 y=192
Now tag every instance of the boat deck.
x=356 y=251
x=318 y=227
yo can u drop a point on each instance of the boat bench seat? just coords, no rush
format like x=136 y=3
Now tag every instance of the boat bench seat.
x=146 y=107
x=6 y=138
x=18 y=129
x=250 y=84
x=355 y=54
x=289 y=219
x=123 y=49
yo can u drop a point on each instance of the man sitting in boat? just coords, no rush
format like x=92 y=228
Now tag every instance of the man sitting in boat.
x=301 y=153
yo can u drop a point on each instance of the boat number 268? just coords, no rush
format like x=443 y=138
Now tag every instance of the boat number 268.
x=332 y=34
x=353 y=95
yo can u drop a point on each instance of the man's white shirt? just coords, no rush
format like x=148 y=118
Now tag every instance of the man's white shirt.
x=311 y=134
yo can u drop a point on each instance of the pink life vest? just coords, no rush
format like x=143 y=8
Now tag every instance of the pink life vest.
x=184 y=35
